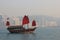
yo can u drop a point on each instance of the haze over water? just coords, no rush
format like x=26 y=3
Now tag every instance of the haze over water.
x=41 y=33
x=32 y=7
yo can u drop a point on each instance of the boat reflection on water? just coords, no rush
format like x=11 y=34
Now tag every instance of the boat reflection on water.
x=21 y=36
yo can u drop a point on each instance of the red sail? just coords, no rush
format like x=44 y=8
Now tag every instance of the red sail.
x=33 y=23
x=7 y=23
x=25 y=20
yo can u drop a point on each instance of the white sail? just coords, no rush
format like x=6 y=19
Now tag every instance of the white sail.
x=17 y=21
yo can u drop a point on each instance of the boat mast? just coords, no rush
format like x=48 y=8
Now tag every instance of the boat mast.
x=28 y=23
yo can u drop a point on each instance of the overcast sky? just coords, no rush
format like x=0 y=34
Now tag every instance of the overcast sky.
x=30 y=7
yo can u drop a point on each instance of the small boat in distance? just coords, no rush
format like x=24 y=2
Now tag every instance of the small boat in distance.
x=21 y=28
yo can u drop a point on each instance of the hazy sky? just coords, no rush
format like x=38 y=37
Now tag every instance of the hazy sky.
x=30 y=7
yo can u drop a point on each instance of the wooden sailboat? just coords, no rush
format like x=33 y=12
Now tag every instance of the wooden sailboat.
x=21 y=28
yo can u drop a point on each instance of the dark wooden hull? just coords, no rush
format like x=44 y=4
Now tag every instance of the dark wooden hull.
x=19 y=29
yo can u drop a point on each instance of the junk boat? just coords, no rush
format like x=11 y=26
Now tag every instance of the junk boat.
x=21 y=28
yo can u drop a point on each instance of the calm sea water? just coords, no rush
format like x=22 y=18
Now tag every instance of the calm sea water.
x=39 y=34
